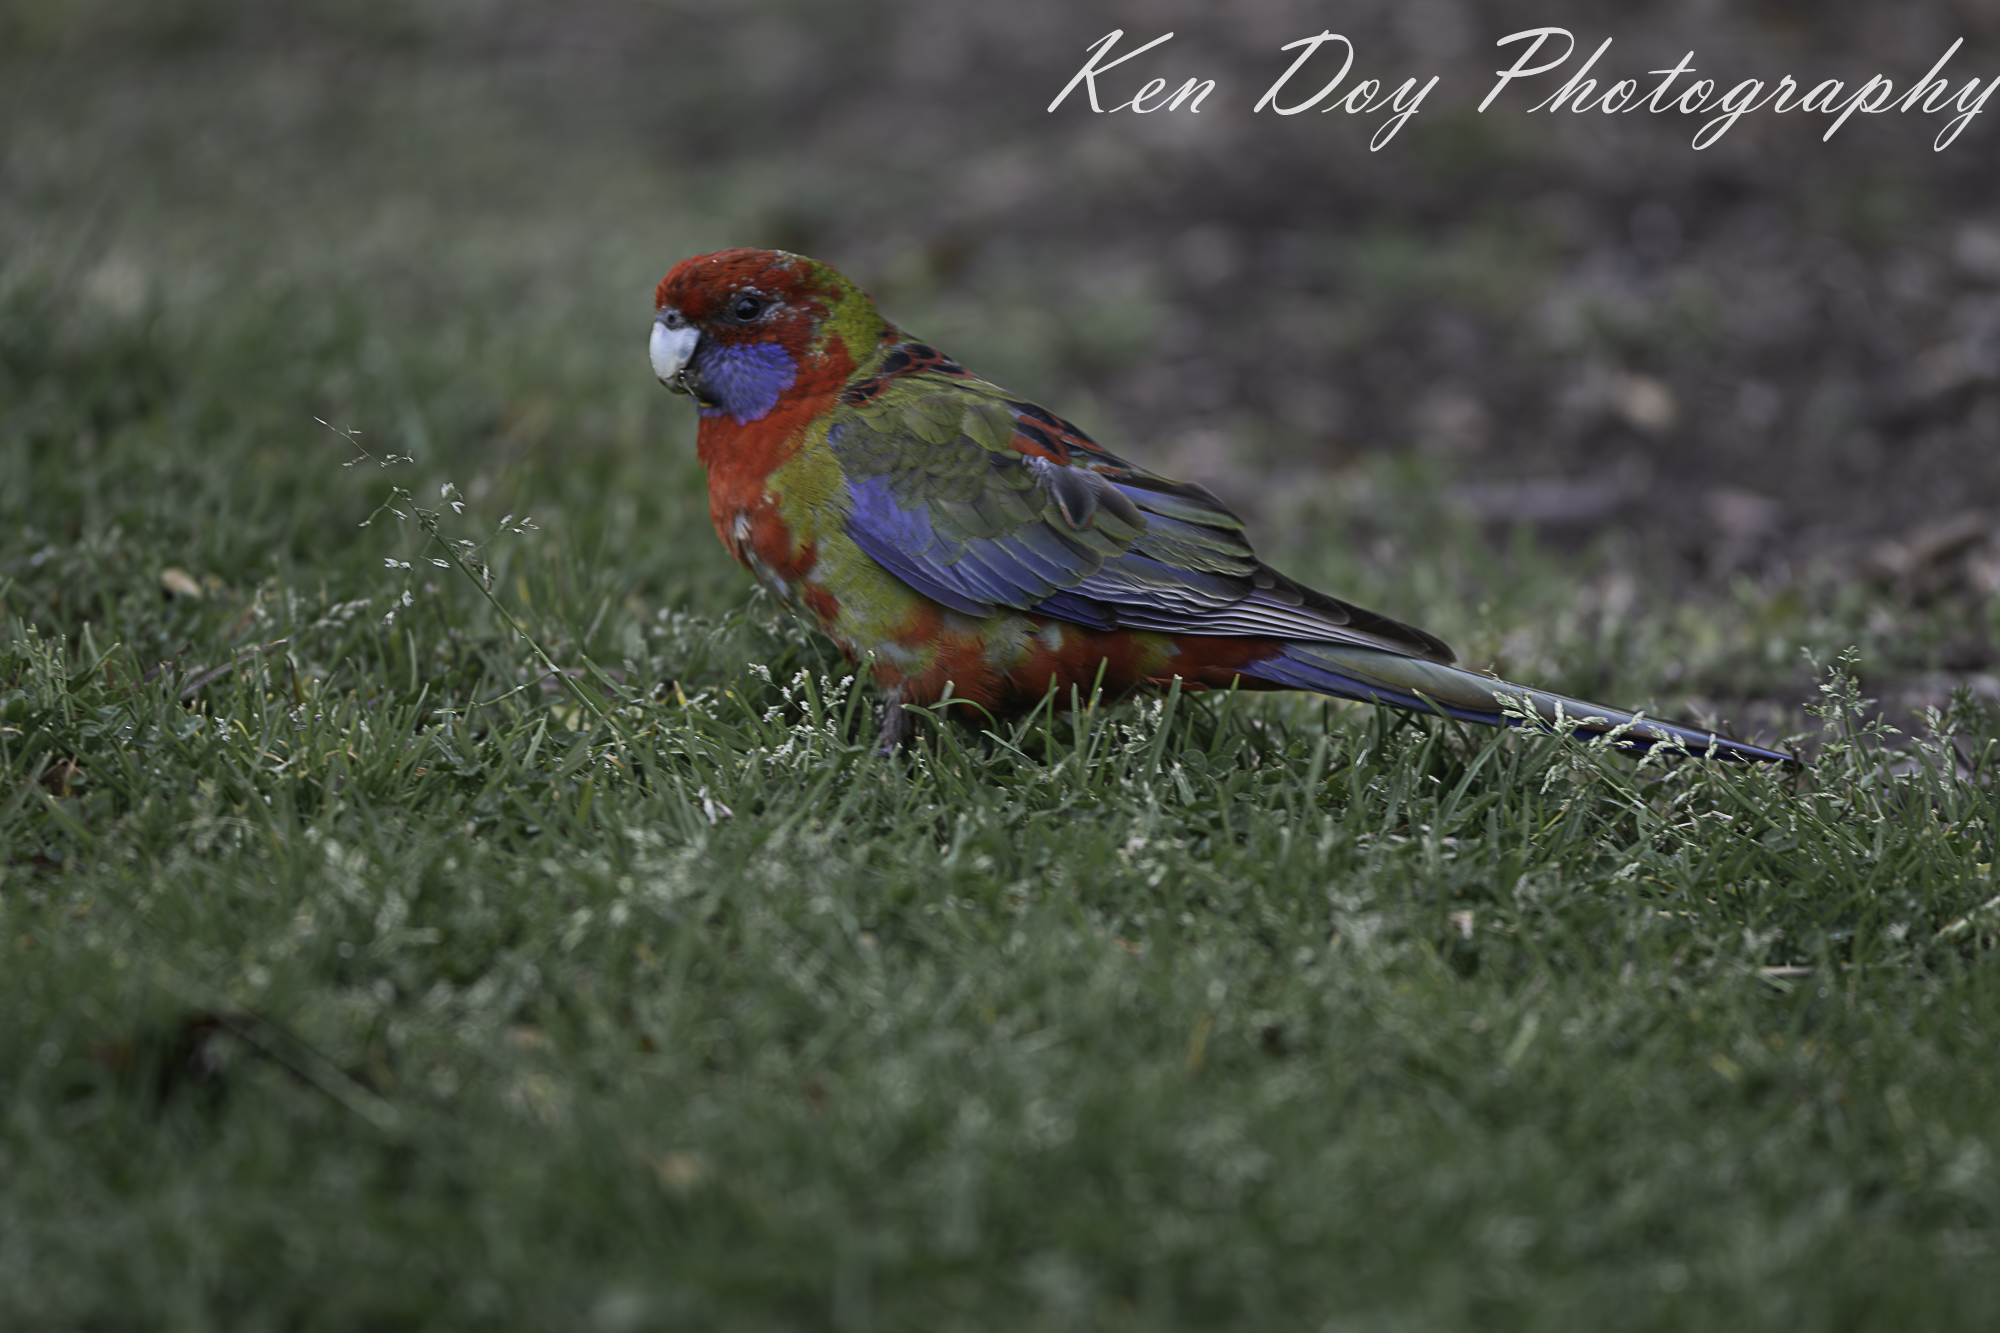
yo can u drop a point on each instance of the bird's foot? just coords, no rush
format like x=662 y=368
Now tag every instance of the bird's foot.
x=896 y=728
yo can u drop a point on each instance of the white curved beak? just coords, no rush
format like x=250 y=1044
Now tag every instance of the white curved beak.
x=671 y=349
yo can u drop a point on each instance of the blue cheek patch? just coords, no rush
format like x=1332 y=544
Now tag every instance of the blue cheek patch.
x=745 y=380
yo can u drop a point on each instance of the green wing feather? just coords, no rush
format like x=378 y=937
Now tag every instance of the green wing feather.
x=981 y=501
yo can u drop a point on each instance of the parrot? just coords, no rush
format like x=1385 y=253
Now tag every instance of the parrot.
x=972 y=548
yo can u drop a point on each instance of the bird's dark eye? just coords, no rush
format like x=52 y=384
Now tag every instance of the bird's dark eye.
x=746 y=309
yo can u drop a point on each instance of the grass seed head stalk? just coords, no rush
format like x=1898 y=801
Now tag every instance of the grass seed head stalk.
x=462 y=555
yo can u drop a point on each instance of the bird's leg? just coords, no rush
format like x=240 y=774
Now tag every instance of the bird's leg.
x=896 y=727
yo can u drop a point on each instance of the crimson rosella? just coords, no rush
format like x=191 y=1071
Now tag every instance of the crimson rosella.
x=975 y=546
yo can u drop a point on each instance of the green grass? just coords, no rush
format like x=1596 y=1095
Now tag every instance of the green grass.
x=328 y=1009
x=358 y=973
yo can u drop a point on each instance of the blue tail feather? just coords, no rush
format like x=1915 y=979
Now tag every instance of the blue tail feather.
x=1373 y=676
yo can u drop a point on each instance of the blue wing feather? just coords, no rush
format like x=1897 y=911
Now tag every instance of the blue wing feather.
x=1016 y=570
x=1103 y=544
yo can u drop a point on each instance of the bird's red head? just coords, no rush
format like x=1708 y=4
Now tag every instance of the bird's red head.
x=739 y=328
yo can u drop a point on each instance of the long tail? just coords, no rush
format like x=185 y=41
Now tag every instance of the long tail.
x=1371 y=675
